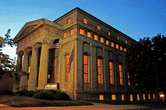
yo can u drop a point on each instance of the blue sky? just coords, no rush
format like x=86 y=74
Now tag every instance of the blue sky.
x=135 y=18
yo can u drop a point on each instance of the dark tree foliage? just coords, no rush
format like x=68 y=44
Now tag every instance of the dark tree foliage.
x=7 y=65
x=146 y=63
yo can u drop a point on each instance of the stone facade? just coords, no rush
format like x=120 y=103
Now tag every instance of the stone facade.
x=77 y=35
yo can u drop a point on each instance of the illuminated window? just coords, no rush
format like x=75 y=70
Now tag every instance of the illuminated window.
x=131 y=97
x=82 y=31
x=149 y=96
x=107 y=42
x=85 y=68
x=68 y=21
x=102 y=39
x=65 y=34
x=85 y=21
x=72 y=31
x=121 y=48
x=124 y=49
x=95 y=37
x=123 y=98
x=138 y=97
x=89 y=34
x=98 y=27
x=101 y=97
x=121 y=74
x=55 y=69
x=144 y=97
x=126 y=41
x=117 y=46
x=113 y=97
x=112 y=44
x=118 y=37
x=128 y=78
x=67 y=67
x=111 y=72
x=153 y=96
x=99 y=70
x=109 y=33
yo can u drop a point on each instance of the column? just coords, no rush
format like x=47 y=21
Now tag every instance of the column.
x=24 y=73
x=33 y=71
x=43 y=70
x=19 y=65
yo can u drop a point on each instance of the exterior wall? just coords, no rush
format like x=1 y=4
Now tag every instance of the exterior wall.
x=76 y=45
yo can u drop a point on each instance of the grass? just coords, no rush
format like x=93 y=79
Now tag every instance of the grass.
x=23 y=101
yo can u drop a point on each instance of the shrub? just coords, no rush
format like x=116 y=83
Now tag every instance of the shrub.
x=44 y=94
x=29 y=93
x=8 y=92
x=22 y=93
x=61 y=96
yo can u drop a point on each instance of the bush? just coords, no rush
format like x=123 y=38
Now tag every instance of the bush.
x=51 y=95
x=22 y=93
x=61 y=96
x=44 y=94
x=30 y=93
x=8 y=92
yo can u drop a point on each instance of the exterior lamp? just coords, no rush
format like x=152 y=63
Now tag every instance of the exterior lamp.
x=161 y=94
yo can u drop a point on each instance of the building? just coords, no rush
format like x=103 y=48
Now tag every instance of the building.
x=78 y=52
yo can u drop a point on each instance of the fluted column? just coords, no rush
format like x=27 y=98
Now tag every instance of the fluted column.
x=24 y=78
x=33 y=71
x=19 y=62
x=43 y=70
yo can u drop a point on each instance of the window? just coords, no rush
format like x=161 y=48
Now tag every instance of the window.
x=68 y=21
x=67 y=67
x=95 y=37
x=121 y=74
x=72 y=31
x=82 y=31
x=113 y=97
x=131 y=97
x=118 y=37
x=85 y=68
x=101 y=97
x=153 y=96
x=85 y=21
x=121 y=48
x=55 y=68
x=128 y=75
x=149 y=96
x=99 y=70
x=111 y=72
x=125 y=41
x=123 y=98
x=65 y=34
x=109 y=33
x=98 y=27
x=144 y=97
x=112 y=44
x=107 y=42
x=89 y=34
x=102 y=39
x=124 y=49
x=117 y=46
x=138 y=97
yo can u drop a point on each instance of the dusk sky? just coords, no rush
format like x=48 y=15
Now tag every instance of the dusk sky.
x=135 y=18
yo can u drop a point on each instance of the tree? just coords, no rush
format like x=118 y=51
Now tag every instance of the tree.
x=7 y=65
x=146 y=63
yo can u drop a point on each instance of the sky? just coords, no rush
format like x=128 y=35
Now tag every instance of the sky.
x=135 y=18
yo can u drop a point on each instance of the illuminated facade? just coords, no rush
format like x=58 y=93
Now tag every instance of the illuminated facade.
x=81 y=53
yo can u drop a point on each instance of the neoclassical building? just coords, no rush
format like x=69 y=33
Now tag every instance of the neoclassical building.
x=77 y=52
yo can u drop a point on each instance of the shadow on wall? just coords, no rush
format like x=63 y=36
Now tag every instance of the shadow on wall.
x=6 y=83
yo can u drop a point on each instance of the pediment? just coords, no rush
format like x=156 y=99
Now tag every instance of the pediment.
x=28 y=28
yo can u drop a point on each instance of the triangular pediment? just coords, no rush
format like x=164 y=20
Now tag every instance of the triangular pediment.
x=28 y=28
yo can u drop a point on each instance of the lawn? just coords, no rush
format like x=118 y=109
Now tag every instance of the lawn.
x=23 y=101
